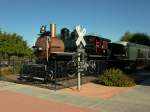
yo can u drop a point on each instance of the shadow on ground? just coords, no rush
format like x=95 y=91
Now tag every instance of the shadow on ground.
x=141 y=77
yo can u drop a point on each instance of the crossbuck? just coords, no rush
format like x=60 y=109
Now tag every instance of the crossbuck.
x=81 y=32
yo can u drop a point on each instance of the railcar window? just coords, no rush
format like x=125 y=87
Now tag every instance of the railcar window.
x=105 y=45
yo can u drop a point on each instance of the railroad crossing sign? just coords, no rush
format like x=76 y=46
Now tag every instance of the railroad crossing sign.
x=81 y=32
x=80 y=51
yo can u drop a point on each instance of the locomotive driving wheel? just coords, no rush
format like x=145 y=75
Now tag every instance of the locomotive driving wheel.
x=49 y=76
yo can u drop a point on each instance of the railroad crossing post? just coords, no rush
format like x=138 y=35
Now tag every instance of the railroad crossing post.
x=80 y=64
x=80 y=42
x=79 y=74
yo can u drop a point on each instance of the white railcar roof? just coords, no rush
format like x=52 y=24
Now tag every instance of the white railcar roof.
x=133 y=44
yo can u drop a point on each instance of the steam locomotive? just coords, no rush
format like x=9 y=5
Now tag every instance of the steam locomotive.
x=52 y=51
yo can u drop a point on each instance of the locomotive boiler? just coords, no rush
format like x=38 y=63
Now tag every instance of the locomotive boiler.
x=47 y=44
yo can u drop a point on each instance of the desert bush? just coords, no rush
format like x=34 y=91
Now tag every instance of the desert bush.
x=6 y=71
x=115 y=77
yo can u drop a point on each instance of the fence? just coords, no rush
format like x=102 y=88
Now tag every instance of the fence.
x=63 y=80
x=64 y=75
x=14 y=64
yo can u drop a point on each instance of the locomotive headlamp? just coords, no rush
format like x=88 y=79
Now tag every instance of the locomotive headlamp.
x=40 y=48
x=35 y=48
x=43 y=29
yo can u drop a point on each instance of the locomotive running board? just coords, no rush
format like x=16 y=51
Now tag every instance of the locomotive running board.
x=63 y=53
x=25 y=76
x=37 y=78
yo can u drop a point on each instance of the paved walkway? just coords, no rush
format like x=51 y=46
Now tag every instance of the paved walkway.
x=14 y=102
x=136 y=99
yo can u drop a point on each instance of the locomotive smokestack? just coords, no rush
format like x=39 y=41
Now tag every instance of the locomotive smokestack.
x=53 y=30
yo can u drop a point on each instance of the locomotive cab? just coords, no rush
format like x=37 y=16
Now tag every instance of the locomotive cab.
x=96 y=45
x=117 y=51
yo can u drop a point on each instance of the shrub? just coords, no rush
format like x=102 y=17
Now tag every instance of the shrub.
x=115 y=77
x=6 y=71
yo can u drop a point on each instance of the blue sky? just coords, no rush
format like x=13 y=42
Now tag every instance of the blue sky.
x=108 y=18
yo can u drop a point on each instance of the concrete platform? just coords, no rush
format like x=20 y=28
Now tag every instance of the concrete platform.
x=38 y=99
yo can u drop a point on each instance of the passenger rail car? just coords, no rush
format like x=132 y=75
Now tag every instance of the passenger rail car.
x=137 y=54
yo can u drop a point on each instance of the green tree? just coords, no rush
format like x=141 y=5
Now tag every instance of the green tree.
x=126 y=37
x=139 y=38
x=12 y=44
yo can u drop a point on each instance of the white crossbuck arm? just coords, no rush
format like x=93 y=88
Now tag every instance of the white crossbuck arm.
x=81 y=32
